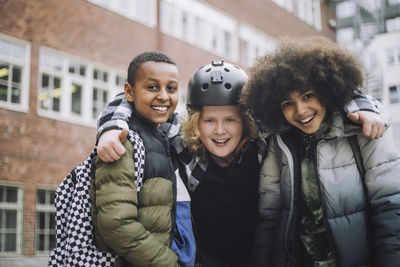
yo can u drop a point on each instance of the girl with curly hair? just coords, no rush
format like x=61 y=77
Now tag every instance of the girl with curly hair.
x=316 y=207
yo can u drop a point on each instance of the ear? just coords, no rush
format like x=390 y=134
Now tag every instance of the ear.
x=129 y=92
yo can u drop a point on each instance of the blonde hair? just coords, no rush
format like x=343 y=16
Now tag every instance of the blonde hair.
x=191 y=132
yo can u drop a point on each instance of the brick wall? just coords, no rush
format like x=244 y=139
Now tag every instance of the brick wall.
x=40 y=151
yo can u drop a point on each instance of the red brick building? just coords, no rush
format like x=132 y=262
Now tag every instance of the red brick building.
x=61 y=61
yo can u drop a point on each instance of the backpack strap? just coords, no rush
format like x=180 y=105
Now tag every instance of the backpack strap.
x=357 y=154
x=139 y=154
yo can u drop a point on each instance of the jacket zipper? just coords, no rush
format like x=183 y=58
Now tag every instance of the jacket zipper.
x=289 y=157
x=323 y=204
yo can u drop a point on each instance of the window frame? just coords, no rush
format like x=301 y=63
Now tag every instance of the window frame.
x=19 y=207
x=68 y=80
x=23 y=106
x=48 y=209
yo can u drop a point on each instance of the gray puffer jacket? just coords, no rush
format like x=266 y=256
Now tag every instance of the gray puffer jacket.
x=362 y=214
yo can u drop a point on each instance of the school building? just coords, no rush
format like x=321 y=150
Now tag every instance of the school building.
x=62 y=61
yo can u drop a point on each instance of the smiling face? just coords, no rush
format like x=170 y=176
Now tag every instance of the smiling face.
x=303 y=110
x=221 y=130
x=155 y=92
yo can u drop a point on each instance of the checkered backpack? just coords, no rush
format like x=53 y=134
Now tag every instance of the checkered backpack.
x=75 y=245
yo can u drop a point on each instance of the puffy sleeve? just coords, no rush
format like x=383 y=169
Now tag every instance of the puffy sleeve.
x=117 y=217
x=382 y=179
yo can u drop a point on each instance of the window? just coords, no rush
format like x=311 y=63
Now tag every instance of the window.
x=390 y=57
x=14 y=73
x=393 y=2
x=346 y=9
x=73 y=89
x=200 y=25
x=11 y=209
x=394 y=95
x=45 y=221
x=309 y=11
x=393 y=24
x=143 y=11
x=345 y=36
x=253 y=43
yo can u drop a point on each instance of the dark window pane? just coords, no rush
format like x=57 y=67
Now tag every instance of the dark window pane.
x=11 y=219
x=2 y=188
x=82 y=70
x=56 y=104
x=52 y=220
x=57 y=83
x=11 y=242
x=52 y=197
x=105 y=97
x=41 y=242
x=1 y=220
x=11 y=194
x=16 y=74
x=105 y=76
x=41 y=217
x=95 y=92
x=76 y=98
x=41 y=196
x=71 y=69
x=16 y=95
x=45 y=81
x=52 y=241
x=3 y=92
x=1 y=242
x=95 y=74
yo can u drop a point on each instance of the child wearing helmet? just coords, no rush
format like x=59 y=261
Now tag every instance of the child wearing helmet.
x=328 y=196
x=219 y=152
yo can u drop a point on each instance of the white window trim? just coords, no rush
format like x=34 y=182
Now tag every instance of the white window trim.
x=256 y=38
x=87 y=83
x=43 y=208
x=214 y=18
x=24 y=106
x=19 y=207
x=112 y=5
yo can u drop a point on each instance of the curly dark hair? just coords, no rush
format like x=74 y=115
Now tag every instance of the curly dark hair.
x=297 y=64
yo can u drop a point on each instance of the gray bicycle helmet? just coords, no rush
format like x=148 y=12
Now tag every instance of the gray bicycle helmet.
x=216 y=84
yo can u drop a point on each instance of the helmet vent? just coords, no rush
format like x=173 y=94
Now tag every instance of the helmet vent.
x=204 y=86
x=228 y=86
x=208 y=70
x=227 y=70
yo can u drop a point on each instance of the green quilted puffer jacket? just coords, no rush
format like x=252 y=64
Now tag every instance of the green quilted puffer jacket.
x=137 y=226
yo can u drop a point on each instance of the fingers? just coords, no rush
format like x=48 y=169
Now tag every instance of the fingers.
x=373 y=126
x=123 y=135
x=110 y=147
x=354 y=117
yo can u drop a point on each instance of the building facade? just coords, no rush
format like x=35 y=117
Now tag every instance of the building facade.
x=371 y=28
x=62 y=61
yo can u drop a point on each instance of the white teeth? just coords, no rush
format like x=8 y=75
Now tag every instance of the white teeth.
x=307 y=120
x=221 y=141
x=160 y=108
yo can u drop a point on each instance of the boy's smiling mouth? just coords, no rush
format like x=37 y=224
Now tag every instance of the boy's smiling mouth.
x=160 y=108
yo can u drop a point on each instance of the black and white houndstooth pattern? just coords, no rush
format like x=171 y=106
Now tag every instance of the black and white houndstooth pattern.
x=74 y=229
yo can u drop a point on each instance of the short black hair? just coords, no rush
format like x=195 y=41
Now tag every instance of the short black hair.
x=155 y=56
x=297 y=64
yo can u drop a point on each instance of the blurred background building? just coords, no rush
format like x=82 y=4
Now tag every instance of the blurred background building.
x=371 y=28
x=62 y=61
